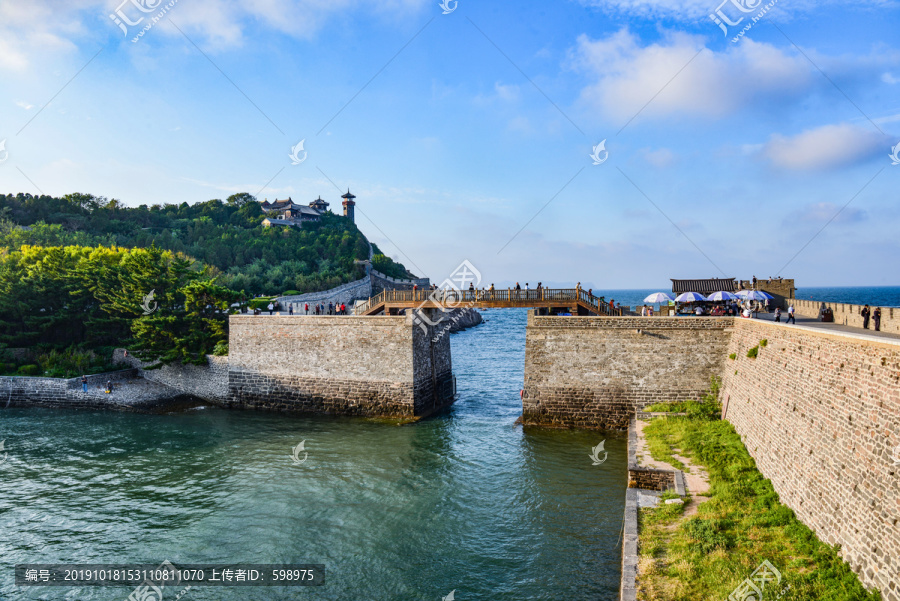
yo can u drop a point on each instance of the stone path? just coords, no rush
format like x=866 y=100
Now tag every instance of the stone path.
x=133 y=393
x=810 y=322
x=696 y=479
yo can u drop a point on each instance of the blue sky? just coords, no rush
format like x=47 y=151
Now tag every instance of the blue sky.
x=456 y=130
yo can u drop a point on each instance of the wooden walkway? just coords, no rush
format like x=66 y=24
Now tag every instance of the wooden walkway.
x=565 y=300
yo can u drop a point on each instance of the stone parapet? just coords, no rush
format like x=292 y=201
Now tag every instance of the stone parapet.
x=848 y=315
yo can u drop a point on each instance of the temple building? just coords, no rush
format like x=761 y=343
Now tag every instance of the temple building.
x=288 y=213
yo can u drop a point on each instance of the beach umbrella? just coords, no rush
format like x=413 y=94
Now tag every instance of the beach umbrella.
x=689 y=297
x=721 y=296
x=658 y=297
x=767 y=295
x=753 y=295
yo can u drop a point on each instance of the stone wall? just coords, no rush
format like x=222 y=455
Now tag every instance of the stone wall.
x=346 y=294
x=596 y=372
x=59 y=393
x=820 y=413
x=382 y=282
x=848 y=315
x=783 y=290
x=379 y=366
x=208 y=382
x=350 y=292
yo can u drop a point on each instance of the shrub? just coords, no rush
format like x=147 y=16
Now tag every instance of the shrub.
x=29 y=370
x=752 y=353
x=291 y=293
x=764 y=342
x=261 y=303
x=221 y=349
x=732 y=356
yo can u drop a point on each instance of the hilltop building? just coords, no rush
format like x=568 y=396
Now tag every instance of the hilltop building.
x=288 y=213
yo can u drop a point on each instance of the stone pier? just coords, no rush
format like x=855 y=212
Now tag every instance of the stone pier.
x=597 y=372
x=384 y=366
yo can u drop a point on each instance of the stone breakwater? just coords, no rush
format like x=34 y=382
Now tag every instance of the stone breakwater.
x=385 y=366
x=130 y=393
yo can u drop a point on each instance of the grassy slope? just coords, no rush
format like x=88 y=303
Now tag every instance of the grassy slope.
x=708 y=555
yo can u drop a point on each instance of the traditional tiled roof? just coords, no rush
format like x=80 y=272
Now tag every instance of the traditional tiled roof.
x=704 y=286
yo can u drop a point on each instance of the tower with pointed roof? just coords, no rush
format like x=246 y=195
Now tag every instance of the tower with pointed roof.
x=349 y=205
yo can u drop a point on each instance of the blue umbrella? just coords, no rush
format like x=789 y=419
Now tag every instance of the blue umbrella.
x=721 y=296
x=689 y=297
x=767 y=295
x=658 y=297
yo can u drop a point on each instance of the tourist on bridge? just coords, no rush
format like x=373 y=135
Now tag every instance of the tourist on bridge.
x=291 y=309
x=866 y=312
x=612 y=304
x=791 y=318
x=271 y=308
x=306 y=308
x=778 y=314
x=330 y=308
x=343 y=309
x=876 y=317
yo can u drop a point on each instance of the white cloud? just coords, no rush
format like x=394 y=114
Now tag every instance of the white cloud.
x=30 y=30
x=661 y=157
x=825 y=147
x=824 y=212
x=690 y=10
x=679 y=75
x=24 y=105
x=888 y=78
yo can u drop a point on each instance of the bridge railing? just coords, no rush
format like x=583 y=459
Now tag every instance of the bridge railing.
x=450 y=298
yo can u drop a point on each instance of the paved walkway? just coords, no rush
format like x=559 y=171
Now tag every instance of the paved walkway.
x=810 y=322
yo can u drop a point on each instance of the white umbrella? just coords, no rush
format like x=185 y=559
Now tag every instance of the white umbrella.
x=689 y=297
x=658 y=297
x=721 y=296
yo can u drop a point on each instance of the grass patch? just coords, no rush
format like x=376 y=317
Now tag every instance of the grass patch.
x=732 y=356
x=752 y=353
x=764 y=342
x=743 y=523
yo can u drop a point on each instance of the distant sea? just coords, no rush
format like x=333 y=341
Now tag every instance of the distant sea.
x=882 y=296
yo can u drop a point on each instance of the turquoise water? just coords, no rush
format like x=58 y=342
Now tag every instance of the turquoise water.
x=466 y=501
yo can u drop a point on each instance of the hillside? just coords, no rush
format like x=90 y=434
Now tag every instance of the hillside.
x=225 y=235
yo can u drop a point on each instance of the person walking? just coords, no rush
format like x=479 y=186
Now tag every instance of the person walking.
x=876 y=317
x=306 y=308
x=777 y=314
x=865 y=312
x=271 y=308
x=791 y=318
x=291 y=309
x=343 y=309
x=644 y=311
x=83 y=383
x=330 y=307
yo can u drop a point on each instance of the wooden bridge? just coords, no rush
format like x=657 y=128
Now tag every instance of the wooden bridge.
x=576 y=301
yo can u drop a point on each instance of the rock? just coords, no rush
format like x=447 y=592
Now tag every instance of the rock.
x=674 y=501
x=462 y=319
